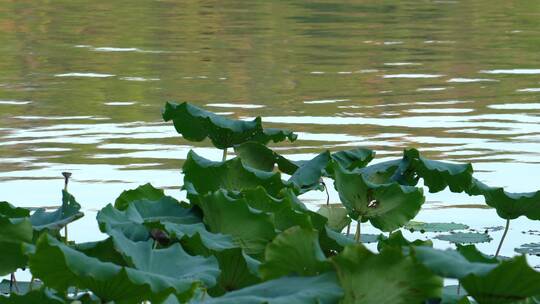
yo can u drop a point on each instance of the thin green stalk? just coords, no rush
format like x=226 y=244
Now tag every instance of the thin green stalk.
x=357 y=236
x=327 y=194
x=348 y=229
x=503 y=237
x=224 y=158
x=31 y=285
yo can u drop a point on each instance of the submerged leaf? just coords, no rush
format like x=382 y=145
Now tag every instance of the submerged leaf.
x=386 y=206
x=321 y=289
x=386 y=278
x=56 y=220
x=196 y=124
x=146 y=191
x=295 y=251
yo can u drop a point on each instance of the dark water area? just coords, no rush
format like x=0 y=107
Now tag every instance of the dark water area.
x=82 y=85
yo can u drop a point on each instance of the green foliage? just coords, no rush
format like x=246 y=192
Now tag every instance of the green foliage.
x=196 y=124
x=387 y=206
x=246 y=237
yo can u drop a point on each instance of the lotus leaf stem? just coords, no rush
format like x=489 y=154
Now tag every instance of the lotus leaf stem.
x=327 y=194
x=503 y=237
x=31 y=285
x=357 y=237
x=348 y=229
x=224 y=158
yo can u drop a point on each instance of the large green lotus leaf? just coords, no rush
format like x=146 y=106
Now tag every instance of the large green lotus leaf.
x=397 y=240
x=397 y=170
x=171 y=262
x=308 y=176
x=321 y=289
x=259 y=156
x=438 y=175
x=202 y=176
x=250 y=228
x=132 y=220
x=196 y=124
x=465 y=237
x=509 y=205
x=56 y=220
x=434 y=227
x=285 y=212
x=386 y=206
x=102 y=250
x=295 y=251
x=510 y=282
x=238 y=270
x=338 y=217
x=196 y=238
x=8 y=210
x=13 y=233
x=386 y=278
x=146 y=192
x=161 y=271
x=450 y=263
x=352 y=159
x=41 y=296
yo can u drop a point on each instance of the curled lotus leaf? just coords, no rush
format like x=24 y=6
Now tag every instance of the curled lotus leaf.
x=146 y=191
x=338 y=217
x=438 y=175
x=509 y=205
x=259 y=156
x=196 y=124
x=386 y=206
x=56 y=220
x=202 y=176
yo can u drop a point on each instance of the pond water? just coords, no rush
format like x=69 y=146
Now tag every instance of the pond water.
x=82 y=86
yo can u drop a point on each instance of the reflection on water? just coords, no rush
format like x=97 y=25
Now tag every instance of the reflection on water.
x=82 y=86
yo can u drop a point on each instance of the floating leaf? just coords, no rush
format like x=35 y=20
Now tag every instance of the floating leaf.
x=386 y=206
x=160 y=271
x=132 y=220
x=465 y=237
x=530 y=248
x=338 y=217
x=196 y=124
x=295 y=251
x=250 y=228
x=146 y=192
x=434 y=227
x=367 y=277
x=438 y=175
x=259 y=156
x=202 y=176
x=56 y=220
x=509 y=205
x=321 y=289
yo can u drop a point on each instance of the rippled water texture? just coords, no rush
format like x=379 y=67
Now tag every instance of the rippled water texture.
x=82 y=85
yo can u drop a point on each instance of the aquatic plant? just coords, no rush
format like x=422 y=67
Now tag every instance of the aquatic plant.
x=244 y=236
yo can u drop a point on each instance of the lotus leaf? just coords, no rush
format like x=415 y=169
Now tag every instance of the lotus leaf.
x=530 y=248
x=15 y=229
x=434 y=227
x=259 y=156
x=321 y=289
x=465 y=237
x=295 y=251
x=397 y=240
x=196 y=124
x=56 y=220
x=160 y=271
x=386 y=206
x=338 y=217
x=386 y=278
x=146 y=191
